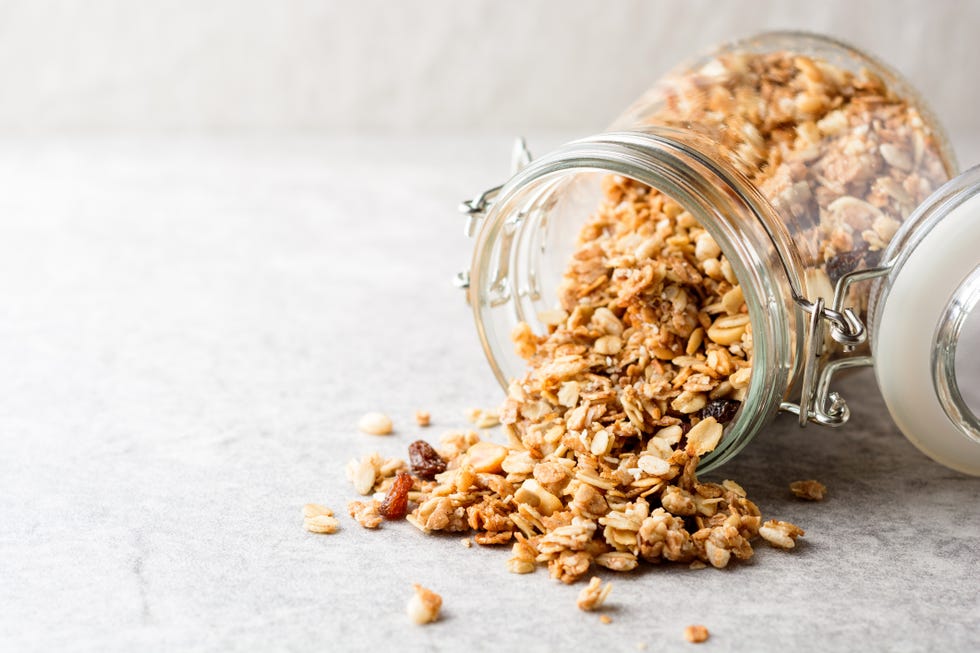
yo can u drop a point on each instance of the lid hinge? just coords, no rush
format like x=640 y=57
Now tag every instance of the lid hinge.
x=818 y=403
x=476 y=209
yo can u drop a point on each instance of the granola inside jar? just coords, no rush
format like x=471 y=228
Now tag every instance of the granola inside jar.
x=676 y=281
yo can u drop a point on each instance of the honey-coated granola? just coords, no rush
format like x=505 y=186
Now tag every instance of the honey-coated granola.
x=649 y=355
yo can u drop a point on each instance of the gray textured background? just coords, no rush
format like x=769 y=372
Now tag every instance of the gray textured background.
x=227 y=229
x=190 y=330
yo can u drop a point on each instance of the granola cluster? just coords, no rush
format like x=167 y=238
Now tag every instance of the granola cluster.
x=841 y=155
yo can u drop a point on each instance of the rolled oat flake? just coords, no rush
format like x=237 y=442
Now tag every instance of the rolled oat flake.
x=763 y=219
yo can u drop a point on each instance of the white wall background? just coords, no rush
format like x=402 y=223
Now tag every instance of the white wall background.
x=433 y=65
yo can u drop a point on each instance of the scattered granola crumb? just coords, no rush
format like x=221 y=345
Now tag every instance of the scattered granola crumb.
x=375 y=424
x=365 y=513
x=605 y=618
x=593 y=595
x=423 y=418
x=483 y=419
x=321 y=524
x=696 y=634
x=467 y=542
x=697 y=564
x=810 y=490
x=314 y=509
x=780 y=534
x=424 y=605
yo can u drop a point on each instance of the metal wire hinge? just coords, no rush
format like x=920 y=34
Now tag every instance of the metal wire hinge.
x=476 y=209
x=818 y=403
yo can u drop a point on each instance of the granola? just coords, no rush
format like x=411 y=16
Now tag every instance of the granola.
x=809 y=490
x=593 y=595
x=424 y=606
x=365 y=513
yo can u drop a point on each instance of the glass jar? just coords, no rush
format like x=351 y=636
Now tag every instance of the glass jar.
x=809 y=173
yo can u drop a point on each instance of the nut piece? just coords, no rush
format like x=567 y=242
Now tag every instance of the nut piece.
x=321 y=524
x=423 y=418
x=486 y=457
x=375 y=424
x=809 y=490
x=593 y=595
x=424 y=606
x=780 y=534
x=537 y=497
x=696 y=634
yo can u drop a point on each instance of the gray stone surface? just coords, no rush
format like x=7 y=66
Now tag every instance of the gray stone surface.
x=189 y=330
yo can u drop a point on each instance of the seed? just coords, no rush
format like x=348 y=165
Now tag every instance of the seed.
x=375 y=424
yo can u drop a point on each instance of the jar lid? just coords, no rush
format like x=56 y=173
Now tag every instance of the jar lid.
x=926 y=336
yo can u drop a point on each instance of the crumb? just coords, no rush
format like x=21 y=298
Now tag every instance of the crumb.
x=423 y=418
x=809 y=490
x=375 y=424
x=593 y=595
x=696 y=634
x=424 y=606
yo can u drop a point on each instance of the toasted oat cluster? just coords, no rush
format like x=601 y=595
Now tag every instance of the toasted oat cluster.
x=839 y=154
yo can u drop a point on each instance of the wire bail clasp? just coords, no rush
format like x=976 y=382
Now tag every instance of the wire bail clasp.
x=818 y=403
x=476 y=209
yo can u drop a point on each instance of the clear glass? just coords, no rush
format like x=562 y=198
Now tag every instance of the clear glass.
x=799 y=155
x=839 y=144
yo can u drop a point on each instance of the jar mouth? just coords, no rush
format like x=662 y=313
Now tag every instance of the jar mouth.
x=506 y=287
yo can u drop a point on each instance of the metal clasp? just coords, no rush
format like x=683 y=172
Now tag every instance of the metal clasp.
x=818 y=403
x=476 y=209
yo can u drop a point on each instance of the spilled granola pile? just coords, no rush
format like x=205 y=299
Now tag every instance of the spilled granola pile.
x=649 y=354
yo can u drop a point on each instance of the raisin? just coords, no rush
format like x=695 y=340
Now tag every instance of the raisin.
x=723 y=410
x=838 y=266
x=426 y=463
x=395 y=503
